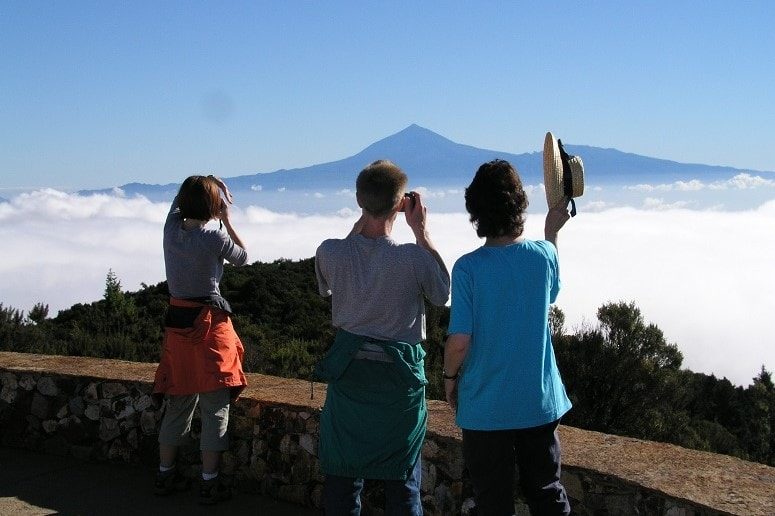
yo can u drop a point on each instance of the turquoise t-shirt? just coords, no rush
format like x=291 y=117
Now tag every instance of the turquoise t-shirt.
x=500 y=297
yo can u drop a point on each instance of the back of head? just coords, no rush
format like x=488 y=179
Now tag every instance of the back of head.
x=380 y=187
x=496 y=200
x=199 y=198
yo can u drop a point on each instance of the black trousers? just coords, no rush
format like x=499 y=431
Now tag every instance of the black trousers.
x=491 y=457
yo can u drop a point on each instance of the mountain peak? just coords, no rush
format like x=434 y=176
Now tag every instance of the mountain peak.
x=413 y=137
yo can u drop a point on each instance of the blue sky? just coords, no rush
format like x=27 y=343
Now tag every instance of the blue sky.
x=103 y=93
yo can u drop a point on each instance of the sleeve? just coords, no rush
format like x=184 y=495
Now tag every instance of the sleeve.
x=323 y=287
x=221 y=244
x=432 y=279
x=554 y=273
x=173 y=216
x=461 y=315
x=231 y=252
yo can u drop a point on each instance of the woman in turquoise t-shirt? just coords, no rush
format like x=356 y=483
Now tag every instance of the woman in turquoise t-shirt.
x=500 y=373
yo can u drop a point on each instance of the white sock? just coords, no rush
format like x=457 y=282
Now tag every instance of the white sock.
x=209 y=476
x=164 y=469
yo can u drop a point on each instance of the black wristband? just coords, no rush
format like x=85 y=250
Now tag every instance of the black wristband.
x=449 y=376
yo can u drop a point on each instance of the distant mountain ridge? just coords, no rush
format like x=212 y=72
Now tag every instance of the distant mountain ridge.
x=432 y=160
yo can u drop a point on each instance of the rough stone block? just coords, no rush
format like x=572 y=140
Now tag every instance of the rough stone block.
x=40 y=406
x=241 y=427
x=122 y=408
x=113 y=389
x=50 y=426
x=302 y=469
x=77 y=405
x=27 y=382
x=143 y=402
x=451 y=463
x=429 y=506
x=252 y=408
x=258 y=468
x=309 y=443
x=148 y=422
x=109 y=429
x=573 y=485
x=242 y=453
x=428 y=477
x=92 y=412
x=8 y=395
x=312 y=425
x=48 y=386
x=227 y=463
x=119 y=451
x=132 y=439
x=63 y=411
x=90 y=393
x=8 y=380
x=285 y=445
x=260 y=447
x=316 y=496
x=444 y=501
x=430 y=450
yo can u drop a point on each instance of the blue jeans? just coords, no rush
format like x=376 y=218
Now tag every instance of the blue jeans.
x=342 y=495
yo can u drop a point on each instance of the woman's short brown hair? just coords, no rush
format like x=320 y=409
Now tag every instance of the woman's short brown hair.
x=379 y=187
x=199 y=198
x=496 y=200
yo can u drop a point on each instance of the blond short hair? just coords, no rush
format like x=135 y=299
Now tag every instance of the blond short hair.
x=380 y=187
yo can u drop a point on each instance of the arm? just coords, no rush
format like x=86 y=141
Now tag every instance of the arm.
x=224 y=212
x=224 y=216
x=416 y=218
x=555 y=220
x=455 y=351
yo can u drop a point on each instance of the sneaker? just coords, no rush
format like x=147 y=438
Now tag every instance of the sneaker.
x=213 y=491
x=170 y=481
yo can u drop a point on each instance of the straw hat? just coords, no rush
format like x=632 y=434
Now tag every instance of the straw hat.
x=563 y=174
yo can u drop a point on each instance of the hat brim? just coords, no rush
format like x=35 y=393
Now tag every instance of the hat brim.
x=555 y=195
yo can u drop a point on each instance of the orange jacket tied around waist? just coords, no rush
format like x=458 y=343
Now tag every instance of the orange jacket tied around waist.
x=204 y=357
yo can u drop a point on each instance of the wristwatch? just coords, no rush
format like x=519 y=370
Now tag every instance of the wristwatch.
x=449 y=376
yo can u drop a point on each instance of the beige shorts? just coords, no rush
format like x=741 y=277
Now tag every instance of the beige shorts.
x=214 y=409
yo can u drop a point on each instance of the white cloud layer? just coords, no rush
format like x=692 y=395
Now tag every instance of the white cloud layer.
x=704 y=277
x=739 y=182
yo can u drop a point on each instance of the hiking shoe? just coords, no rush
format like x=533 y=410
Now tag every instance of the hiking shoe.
x=213 y=491
x=170 y=481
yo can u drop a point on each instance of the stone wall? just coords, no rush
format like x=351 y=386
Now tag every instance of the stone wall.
x=102 y=410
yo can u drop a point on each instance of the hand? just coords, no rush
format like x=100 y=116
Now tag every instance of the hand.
x=358 y=226
x=223 y=213
x=555 y=220
x=416 y=214
x=450 y=390
x=224 y=189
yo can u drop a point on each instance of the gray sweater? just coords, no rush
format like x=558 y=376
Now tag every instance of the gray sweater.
x=194 y=258
x=377 y=286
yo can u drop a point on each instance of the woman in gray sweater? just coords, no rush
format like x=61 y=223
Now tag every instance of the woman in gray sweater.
x=202 y=358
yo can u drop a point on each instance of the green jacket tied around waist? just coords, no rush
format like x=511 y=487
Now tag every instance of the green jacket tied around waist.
x=373 y=421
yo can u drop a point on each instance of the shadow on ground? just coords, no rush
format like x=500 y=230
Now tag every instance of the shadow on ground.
x=37 y=484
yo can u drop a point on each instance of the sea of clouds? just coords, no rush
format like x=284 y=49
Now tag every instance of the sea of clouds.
x=705 y=277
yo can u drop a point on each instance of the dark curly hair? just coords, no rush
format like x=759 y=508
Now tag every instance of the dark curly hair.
x=496 y=200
